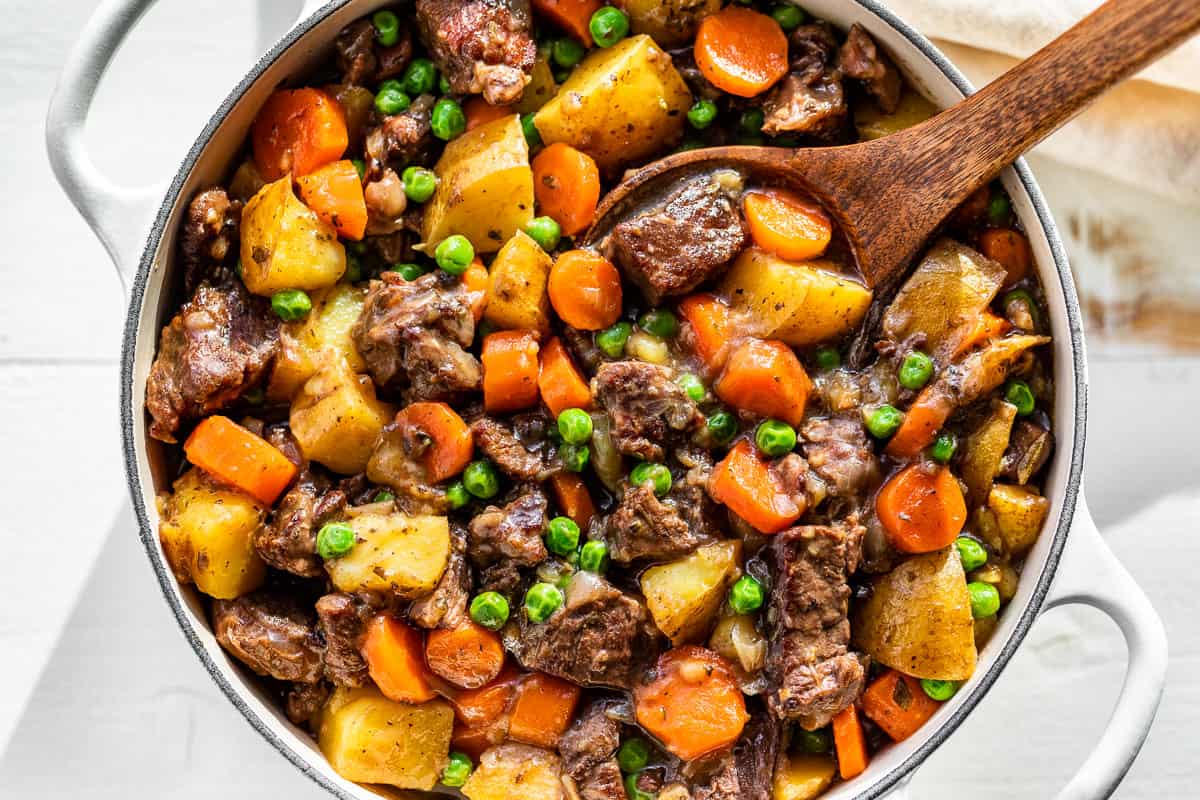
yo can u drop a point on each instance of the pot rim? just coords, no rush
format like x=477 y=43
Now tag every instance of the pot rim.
x=131 y=417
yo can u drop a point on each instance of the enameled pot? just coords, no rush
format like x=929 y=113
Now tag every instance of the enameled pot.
x=1069 y=564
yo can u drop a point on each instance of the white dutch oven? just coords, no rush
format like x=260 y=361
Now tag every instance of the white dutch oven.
x=1070 y=563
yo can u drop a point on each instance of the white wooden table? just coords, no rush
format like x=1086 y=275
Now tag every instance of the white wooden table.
x=104 y=699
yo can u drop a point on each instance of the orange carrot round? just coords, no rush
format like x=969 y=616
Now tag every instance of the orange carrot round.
x=469 y=656
x=232 y=454
x=693 y=704
x=573 y=499
x=786 y=224
x=475 y=281
x=921 y=509
x=709 y=328
x=559 y=380
x=510 y=371
x=573 y=16
x=1010 y=248
x=395 y=660
x=741 y=51
x=566 y=185
x=850 y=744
x=485 y=705
x=898 y=704
x=766 y=378
x=542 y=710
x=480 y=112
x=297 y=131
x=335 y=192
x=450 y=439
x=745 y=483
x=922 y=421
x=585 y=290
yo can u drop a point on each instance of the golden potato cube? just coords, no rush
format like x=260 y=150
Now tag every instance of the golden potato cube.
x=517 y=298
x=370 y=739
x=207 y=532
x=336 y=418
x=485 y=187
x=285 y=245
x=540 y=89
x=1020 y=512
x=684 y=595
x=671 y=23
x=323 y=334
x=801 y=304
x=872 y=123
x=803 y=776
x=620 y=104
x=395 y=553
x=510 y=771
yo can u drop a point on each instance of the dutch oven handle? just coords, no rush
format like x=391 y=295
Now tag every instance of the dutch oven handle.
x=119 y=215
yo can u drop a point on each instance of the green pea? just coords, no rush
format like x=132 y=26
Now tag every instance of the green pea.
x=884 y=421
x=632 y=792
x=593 y=556
x=334 y=540
x=751 y=122
x=746 y=595
x=562 y=536
x=828 y=358
x=457 y=770
x=788 y=16
x=660 y=322
x=775 y=438
x=944 y=447
x=575 y=457
x=656 y=474
x=971 y=552
x=383 y=497
x=454 y=254
x=817 y=741
x=480 y=479
x=939 y=690
x=419 y=183
x=291 y=304
x=457 y=495
x=611 y=341
x=916 y=370
x=722 y=426
x=360 y=167
x=489 y=609
x=391 y=99
x=608 y=26
x=447 y=120
x=420 y=77
x=545 y=231
x=692 y=385
x=985 y=599
x=533 y=137
x=999 y=208
x=410 y=272
x=634 y=755
x=354 y=270
x=702 y=114
x=1020 y=395
x=542 y=600
x=387 y=27
x=443 y=85
x=575 y=426
x=566 y=52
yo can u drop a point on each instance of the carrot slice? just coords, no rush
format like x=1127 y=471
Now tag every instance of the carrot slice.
x=450 y=439
x=921 y=510
x=480 y=112
x=573 y=498
x=765 y=377
x=486 y=705
x=468 y=656
x=229 y=452
x=693 y=704
x=566 y=185
x=922 y=421
x=898 y=704
x=850 y=743
x=987 y=327
x=573 y=16
x=510 y=371
x=542 y=710
x=561 y=384
x=335 y=192
x=585 y=290
x=475 y=281
x=745 y=483
x=1010 y=248
x=708 y=320
x=297 y=131
x=787 y=225
x=394 y=655
x=741 y=51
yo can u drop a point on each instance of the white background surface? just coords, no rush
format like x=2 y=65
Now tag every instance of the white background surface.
x=103 y=699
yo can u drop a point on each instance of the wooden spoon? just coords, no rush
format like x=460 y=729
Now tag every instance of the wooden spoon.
x=891 y=194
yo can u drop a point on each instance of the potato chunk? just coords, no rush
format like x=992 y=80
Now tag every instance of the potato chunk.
x=918 y=619
x=517 y=298
x=516 y=770
x=1020 y=512
x=370 y=739
x=984 y=451
x=323 y=335
x=872 y=123
x=336 y=418
x=285 y=245
x=684 y=595
x=485 y=187
x=207 y=534
x=803 y=776
x=800 y=304
x=671 y=23
x=622 y=103
x=402 y=555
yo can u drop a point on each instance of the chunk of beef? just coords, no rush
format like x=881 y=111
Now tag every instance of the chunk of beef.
x=344 y=621
x=678 y=244
x=814 y=674
x=402 y=138
x=685 y=64
x=598 y=638
x=588 y=749
x=748 y=771
x=271 y=634
x=644 y=527
x=446 y=605
x=512 y=533
x=860 y=58
x=361 y=62
x=646 y=406
x=304 y=702
x=210 y=237
x=811 y=49
x=413 y=336
x=838 y=449
x=289 y=541
x=218 y=346
x=521 y=459
x=503 y=577
x=812 y=106
x=481 y=46
x=582 y=345
x=1027 y=453
x=281 y=438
